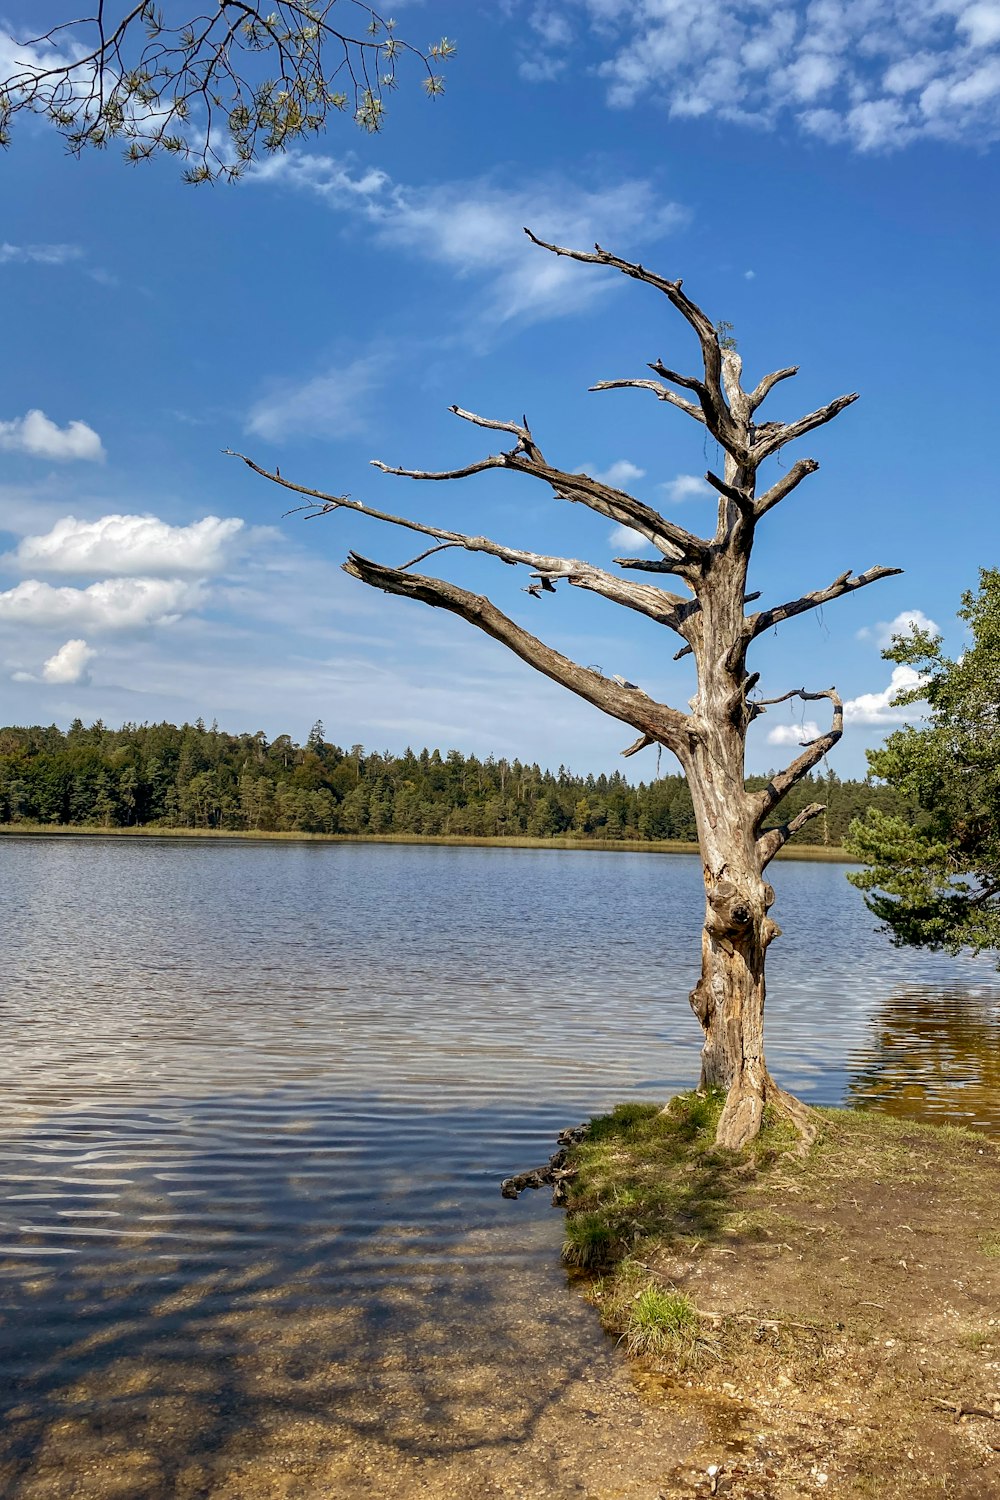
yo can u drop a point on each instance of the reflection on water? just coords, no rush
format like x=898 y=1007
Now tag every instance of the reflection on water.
x=258 y=1099
x=933 y=1055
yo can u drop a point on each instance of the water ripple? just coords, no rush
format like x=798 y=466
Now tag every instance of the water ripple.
x=258 y=1100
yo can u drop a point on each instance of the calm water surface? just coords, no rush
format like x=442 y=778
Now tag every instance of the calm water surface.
x=257 y=1101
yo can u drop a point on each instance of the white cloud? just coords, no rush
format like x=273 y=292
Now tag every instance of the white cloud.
x=686 y=487
x=69 y=664
x=907 y=620
x=623 y=474
x=981 y=24
x=542 y=69
x=619 y=475
x=876 y=708
x=131 y=545
x=332 y=405
x=793 y=734
x=624 y=536
x=876 y=74
x=475 y=228
x=36 y=435
x=39 y=255
x=553 y=29
x=112 y=604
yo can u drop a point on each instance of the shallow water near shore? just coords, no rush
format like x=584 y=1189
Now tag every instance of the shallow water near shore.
x=257 y=1102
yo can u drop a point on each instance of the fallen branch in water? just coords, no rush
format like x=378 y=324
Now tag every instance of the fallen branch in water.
x=555 y=1172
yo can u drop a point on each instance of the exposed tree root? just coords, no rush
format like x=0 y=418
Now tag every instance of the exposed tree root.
x=743 y=1114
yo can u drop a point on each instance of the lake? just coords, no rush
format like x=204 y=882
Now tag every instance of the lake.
x=258 y=1098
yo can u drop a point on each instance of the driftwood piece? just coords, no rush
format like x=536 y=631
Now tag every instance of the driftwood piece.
x=555 y=1173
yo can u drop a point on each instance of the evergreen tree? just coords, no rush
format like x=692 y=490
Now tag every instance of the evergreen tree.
x=934 y=881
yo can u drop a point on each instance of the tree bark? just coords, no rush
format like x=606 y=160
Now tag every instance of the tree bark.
x=728 y=999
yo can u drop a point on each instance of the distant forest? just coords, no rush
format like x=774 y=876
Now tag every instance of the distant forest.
x=162 y=775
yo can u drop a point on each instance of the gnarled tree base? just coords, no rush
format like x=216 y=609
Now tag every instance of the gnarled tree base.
x=743 y=1114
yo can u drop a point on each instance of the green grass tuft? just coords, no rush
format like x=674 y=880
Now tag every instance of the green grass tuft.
x=659 y=1322
x=642 y=1171
x=589 y=1241
x=990 y=1245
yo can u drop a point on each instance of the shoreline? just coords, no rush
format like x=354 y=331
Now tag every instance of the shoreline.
x=820 y=853
x=837 y=1309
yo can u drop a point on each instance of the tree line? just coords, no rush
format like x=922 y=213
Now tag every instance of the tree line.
x=190 y=776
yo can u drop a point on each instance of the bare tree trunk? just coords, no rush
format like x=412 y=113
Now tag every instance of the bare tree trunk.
x=711 y=619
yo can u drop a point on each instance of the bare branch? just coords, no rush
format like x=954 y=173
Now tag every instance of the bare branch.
x=494 y=461
x=680 y=546
x=661 y=392
x=630 y=705
x=441 y=547
x=774 y=435
x=710 y=392
x=800 y=470
x=765 y=801
x=521 y=430
x=651 y=565
x=776 y=838
x=656 y=604
x=764 y=387
x=845 y=584
x=740 y=497
x=688 y=382
x=642 y=743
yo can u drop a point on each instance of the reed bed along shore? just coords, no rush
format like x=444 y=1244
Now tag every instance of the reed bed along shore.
x=822 y=852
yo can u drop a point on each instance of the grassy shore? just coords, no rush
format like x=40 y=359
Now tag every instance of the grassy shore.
x=841 y=1310
x=819 y=852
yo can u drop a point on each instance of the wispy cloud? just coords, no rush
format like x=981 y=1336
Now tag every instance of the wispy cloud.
x=335 y=404
x=873 y=74
x=37 y=435
x=475 y=228
x=622 y=475
x=632 y=541
x=39 y=255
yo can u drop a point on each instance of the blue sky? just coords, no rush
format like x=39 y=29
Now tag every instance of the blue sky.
x=822 y=176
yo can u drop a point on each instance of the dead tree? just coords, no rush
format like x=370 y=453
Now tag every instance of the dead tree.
x=713 y=622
